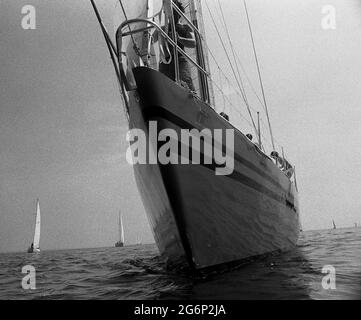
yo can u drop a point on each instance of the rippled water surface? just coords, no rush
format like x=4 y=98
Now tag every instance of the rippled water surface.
x=137 y=272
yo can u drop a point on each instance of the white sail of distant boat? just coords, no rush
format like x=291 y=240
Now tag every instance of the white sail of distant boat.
x=35 y=246
x=334 y=225
x=120 y=243
x=121 y=228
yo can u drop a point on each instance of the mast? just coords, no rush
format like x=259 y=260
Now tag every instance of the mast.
x=334 y=225
x=202 y=53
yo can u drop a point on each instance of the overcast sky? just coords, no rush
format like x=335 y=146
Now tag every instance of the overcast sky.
x=62 y=130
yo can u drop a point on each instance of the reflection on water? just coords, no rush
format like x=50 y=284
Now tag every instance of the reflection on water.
x=265 y=279
x=137 y=272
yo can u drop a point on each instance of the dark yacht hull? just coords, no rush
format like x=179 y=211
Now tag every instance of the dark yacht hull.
x=119 y=244
x=200 y=219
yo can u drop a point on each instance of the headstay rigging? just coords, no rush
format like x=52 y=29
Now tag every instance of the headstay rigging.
x=113 y=54
x=259 y=73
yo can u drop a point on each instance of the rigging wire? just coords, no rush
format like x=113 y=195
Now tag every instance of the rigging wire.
x=250 y=83
x=237 y=62
x=233 y=71
x=259 y=73
x=235 y=90
x=221 y=70
x=112 y=52
x=230 y=82
x=242 y=89
x=225 y=76
x=237 y=110
x=237 y=59
x=231 y=104
x=208 y=49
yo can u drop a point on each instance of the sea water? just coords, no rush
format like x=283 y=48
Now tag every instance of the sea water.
x=138 y=272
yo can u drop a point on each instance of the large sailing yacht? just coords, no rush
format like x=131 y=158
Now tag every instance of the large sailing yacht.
x=35 y=246
x=200 y=219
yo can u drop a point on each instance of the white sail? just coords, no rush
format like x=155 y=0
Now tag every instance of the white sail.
x=36 y=241
x=135 y=9
x=121 y=229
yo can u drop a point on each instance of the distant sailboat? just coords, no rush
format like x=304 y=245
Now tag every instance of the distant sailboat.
x=120 y=243
x=334 y=225
x=35 y=246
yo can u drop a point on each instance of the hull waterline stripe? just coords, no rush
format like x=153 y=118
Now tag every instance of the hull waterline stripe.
x=154 y=112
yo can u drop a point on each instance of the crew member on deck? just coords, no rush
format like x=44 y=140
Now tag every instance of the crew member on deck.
x=185 y=39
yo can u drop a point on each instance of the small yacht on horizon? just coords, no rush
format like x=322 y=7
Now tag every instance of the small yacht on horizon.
x=35 y=246
x=120 y=243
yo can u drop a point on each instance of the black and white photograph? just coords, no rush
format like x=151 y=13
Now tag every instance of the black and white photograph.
x=194 y=152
